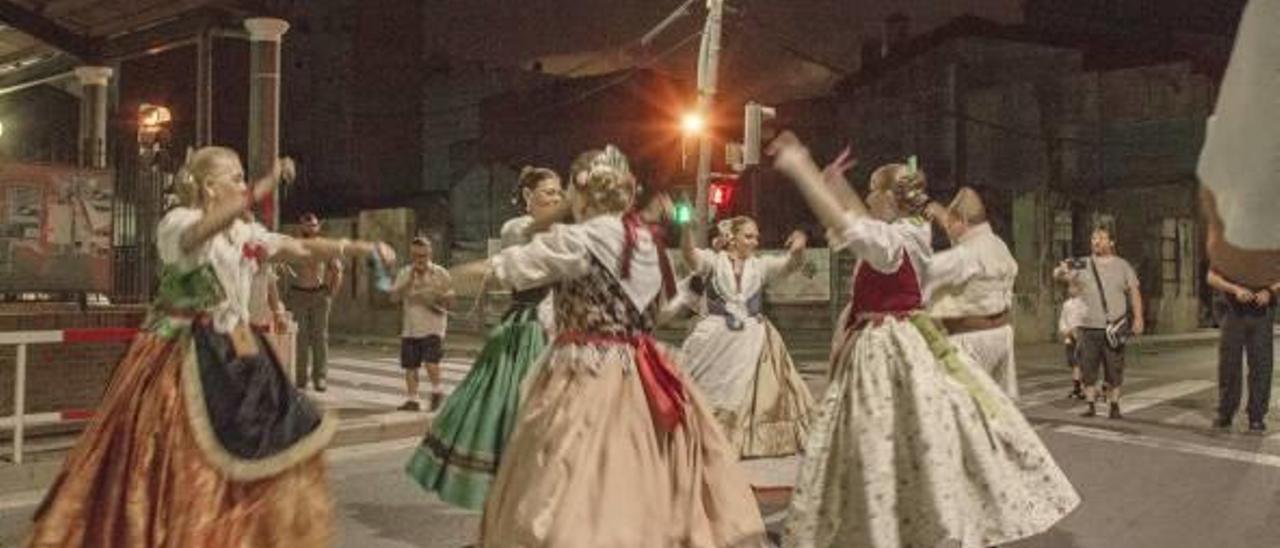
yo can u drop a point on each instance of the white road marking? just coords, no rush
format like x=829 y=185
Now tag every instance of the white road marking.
x=1151 y=397
x=383 y=363
x=352 y=377
x=1225 y=453
x=24 y=499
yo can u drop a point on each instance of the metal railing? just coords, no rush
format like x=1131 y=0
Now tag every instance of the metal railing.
x=23 y=339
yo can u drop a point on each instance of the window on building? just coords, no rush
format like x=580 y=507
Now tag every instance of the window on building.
x=1063 y=229
x=1177 y=260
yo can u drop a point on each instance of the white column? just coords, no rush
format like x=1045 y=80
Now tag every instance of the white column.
x=265 y=34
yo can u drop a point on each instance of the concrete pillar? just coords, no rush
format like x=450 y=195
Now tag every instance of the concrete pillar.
x=93 y=115
x=1035 y=317
x=265 y=34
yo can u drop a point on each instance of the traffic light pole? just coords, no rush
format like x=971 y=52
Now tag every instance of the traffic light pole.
x=708 y=66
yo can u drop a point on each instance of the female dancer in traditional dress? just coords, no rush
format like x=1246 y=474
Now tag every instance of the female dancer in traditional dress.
x=612 y=447
x=459 y=455
x=738 y=358
x=914 y=445
x=200 y=439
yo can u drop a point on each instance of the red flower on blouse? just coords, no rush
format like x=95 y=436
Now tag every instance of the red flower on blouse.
x=254 y=251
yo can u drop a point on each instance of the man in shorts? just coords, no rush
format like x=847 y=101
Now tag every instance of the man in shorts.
x=423 y=288
x=1110 y=290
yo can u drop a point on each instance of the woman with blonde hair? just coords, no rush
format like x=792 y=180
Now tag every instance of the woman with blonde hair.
x=460 y=453
x=915 y=445
x=612 y=446
x=739 y=359
x=200 y=439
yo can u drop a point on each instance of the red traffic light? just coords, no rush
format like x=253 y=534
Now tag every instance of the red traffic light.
x=720 y=194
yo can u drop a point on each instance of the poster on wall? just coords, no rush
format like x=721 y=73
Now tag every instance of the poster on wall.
x=55 y=228
x=811 y=283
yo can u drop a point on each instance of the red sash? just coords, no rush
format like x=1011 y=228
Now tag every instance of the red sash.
x=662 y=387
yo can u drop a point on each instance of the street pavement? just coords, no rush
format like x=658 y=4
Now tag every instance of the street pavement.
x=1161 y=478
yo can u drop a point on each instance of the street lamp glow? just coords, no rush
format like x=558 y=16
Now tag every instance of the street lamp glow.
x=693 y=123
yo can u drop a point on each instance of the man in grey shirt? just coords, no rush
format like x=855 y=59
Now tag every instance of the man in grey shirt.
x=1121 y=291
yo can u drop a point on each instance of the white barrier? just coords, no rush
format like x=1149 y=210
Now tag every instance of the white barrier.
x=22 y=339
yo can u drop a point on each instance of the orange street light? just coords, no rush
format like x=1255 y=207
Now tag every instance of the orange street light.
x=693 y=123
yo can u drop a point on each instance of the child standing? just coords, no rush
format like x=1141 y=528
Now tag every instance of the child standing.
x=1069 y=321
x=424 y=289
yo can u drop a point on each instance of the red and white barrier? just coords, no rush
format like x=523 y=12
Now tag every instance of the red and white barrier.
x=22 y=339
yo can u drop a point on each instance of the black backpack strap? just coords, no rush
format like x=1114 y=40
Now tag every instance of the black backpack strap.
x=1102 y=293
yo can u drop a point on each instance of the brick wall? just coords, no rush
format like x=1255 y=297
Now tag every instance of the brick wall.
x=62 y=376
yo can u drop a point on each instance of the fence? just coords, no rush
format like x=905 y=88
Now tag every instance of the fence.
x=23 y=339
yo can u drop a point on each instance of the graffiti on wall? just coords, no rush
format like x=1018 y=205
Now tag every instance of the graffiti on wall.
x=55 y=228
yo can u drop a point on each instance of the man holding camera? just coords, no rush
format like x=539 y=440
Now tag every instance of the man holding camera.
x=1111 y=294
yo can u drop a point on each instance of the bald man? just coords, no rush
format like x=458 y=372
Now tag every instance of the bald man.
x=969 y=287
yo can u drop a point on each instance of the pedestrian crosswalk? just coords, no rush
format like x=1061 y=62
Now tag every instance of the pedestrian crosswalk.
x=378 y=383
x=363 y=382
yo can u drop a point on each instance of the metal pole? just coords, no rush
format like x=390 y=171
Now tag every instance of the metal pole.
x=708 y=65
x=19 y=401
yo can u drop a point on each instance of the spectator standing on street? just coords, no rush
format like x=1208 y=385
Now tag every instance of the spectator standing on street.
x=1069 y=321
x=424 y=289
x=1245 y=317
x=1107 y=284
x=312 y=286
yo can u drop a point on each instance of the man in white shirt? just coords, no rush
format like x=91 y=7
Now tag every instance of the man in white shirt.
x=970 y=287
x=424 y=289
x=1069 y=321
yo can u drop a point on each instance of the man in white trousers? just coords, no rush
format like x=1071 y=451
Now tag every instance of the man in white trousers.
x=969 y=287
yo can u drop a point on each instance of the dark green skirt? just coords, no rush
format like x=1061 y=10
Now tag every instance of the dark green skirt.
x=459 y=455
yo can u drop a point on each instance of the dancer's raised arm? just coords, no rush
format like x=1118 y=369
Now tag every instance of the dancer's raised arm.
x=792 y=158
x=212 y=168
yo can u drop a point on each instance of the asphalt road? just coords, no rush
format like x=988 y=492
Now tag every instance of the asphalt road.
x=1160 y=478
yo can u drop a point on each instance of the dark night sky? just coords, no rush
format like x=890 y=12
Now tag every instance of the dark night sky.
x=513 y=32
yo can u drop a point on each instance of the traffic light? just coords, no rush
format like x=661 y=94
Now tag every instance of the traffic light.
x=720 y=195
x=753 y=131
x=683 y=214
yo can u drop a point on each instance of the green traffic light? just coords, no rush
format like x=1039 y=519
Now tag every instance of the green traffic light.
x=683 y=213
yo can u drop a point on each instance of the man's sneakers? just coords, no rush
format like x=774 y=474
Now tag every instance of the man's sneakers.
x=1115 y=411
x=1091 y=411
x=411 y=405
x=321 y=386
x=1257 y=427
x=436 y=399
x=1223 y=423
